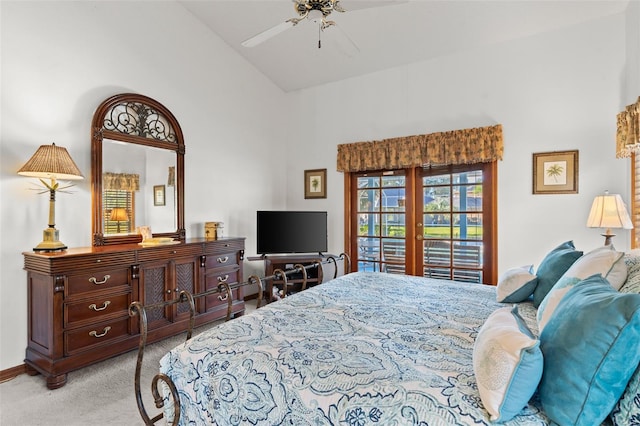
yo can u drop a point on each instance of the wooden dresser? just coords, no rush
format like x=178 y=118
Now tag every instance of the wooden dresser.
x=79 y=299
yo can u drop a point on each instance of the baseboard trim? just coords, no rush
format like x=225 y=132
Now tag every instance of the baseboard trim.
x=12 y=373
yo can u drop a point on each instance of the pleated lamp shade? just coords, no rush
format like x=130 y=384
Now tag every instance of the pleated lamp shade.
x=118 y=214
x=53 y=162
x=608 y=211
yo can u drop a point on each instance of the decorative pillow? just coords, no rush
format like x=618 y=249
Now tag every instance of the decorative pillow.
x=507 y=363
x=605 y=261
x=552 y=267
x=627 y=411
x=516 y=285
x=632 y=285
x=590 y=348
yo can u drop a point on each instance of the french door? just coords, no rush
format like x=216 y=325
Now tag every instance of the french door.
x=436 y=222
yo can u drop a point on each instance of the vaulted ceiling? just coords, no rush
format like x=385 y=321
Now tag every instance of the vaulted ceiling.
x=386 y=33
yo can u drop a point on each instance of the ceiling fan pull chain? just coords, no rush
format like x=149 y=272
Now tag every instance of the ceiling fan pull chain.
x=319 y=44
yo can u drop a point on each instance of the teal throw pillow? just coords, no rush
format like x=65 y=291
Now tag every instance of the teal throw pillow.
x=590 y=348
x=507 y=363
x=604 y=260
x=552 y=267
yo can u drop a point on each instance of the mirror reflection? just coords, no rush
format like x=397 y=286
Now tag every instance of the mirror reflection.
x=139 y=188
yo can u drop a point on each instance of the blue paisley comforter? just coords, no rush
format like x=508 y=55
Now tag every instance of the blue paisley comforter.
x=363 y=349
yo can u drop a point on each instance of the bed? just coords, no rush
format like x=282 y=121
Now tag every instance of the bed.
x=366 y=348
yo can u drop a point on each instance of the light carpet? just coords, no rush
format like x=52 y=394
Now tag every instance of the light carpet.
x=101 y=394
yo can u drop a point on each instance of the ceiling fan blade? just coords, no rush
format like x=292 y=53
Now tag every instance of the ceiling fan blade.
x=349 y=5
x=267 y=34
x=343 y=42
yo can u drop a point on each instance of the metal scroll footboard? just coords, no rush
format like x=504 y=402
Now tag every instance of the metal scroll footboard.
x=137 y=308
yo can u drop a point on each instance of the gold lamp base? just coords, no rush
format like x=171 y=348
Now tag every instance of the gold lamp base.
x=50 y=241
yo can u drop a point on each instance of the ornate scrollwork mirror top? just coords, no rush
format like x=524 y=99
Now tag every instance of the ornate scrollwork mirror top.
x=141 y=130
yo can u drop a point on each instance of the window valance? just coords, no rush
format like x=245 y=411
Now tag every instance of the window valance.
x=628 y=131
x=121 y=181
x=466 y=146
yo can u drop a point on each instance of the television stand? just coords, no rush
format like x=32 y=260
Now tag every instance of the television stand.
x=285 y=262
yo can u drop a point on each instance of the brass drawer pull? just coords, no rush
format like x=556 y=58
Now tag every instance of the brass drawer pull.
x=223 y=297
x=94 y=333
x=94 y=307
x=223 y=259
x=223 y=279
x=94 y=280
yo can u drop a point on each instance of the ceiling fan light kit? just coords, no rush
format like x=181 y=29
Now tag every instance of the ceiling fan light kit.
x=315 y=11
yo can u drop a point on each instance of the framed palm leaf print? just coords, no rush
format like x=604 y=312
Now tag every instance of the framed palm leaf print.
x=315 y=183
x=555 y=172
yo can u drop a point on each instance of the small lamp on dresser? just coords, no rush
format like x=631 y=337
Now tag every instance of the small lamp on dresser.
x=51 y=162
x=118 y=214
x=608 y=211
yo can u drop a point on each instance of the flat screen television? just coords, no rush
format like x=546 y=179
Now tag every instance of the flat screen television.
x=291 y=232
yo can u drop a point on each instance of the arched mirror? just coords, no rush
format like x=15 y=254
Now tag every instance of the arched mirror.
x=137 y=171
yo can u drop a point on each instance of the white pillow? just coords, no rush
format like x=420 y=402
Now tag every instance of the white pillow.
x=507 y=363
x=516 y=285
x=604 y=260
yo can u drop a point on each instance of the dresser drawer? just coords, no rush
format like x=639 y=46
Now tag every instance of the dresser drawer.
x=219 y=299
x=91 y=336
x=213 y=247
x=96 y=309
x=149 y=254
x=221 y=260
x=214 y=277
x=95 y=280
x=212 y=280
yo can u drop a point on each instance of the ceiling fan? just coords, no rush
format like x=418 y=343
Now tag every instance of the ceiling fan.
x=316 y=11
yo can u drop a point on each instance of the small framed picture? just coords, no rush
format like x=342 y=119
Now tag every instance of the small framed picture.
x=315 y=183
x=158 y=195
x=555 y=172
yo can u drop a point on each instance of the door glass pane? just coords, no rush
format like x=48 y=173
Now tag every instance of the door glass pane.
x=368 y=181
x=467 y=198
x=393 y=225
x=368 y=254
x=394 y=251
x=393 y=199
x=367 y=200
x=436 y=180
x=437 y=226
x=472 y=176
x=467 y=226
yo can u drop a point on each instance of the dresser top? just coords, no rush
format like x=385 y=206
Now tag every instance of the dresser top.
x=97 y=250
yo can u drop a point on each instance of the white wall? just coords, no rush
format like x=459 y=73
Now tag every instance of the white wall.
x=631 y=83
x=60 y=60
x=558 y=91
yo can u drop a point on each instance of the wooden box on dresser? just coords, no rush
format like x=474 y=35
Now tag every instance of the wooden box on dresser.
x=79 y=298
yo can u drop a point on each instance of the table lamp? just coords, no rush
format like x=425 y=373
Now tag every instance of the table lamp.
x=608 y=211
x=118 y=214
x=51 y=162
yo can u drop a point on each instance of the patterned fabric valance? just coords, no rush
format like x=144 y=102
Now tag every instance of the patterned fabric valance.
x=121 y=181
x=467 y=146
x=628 y=131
